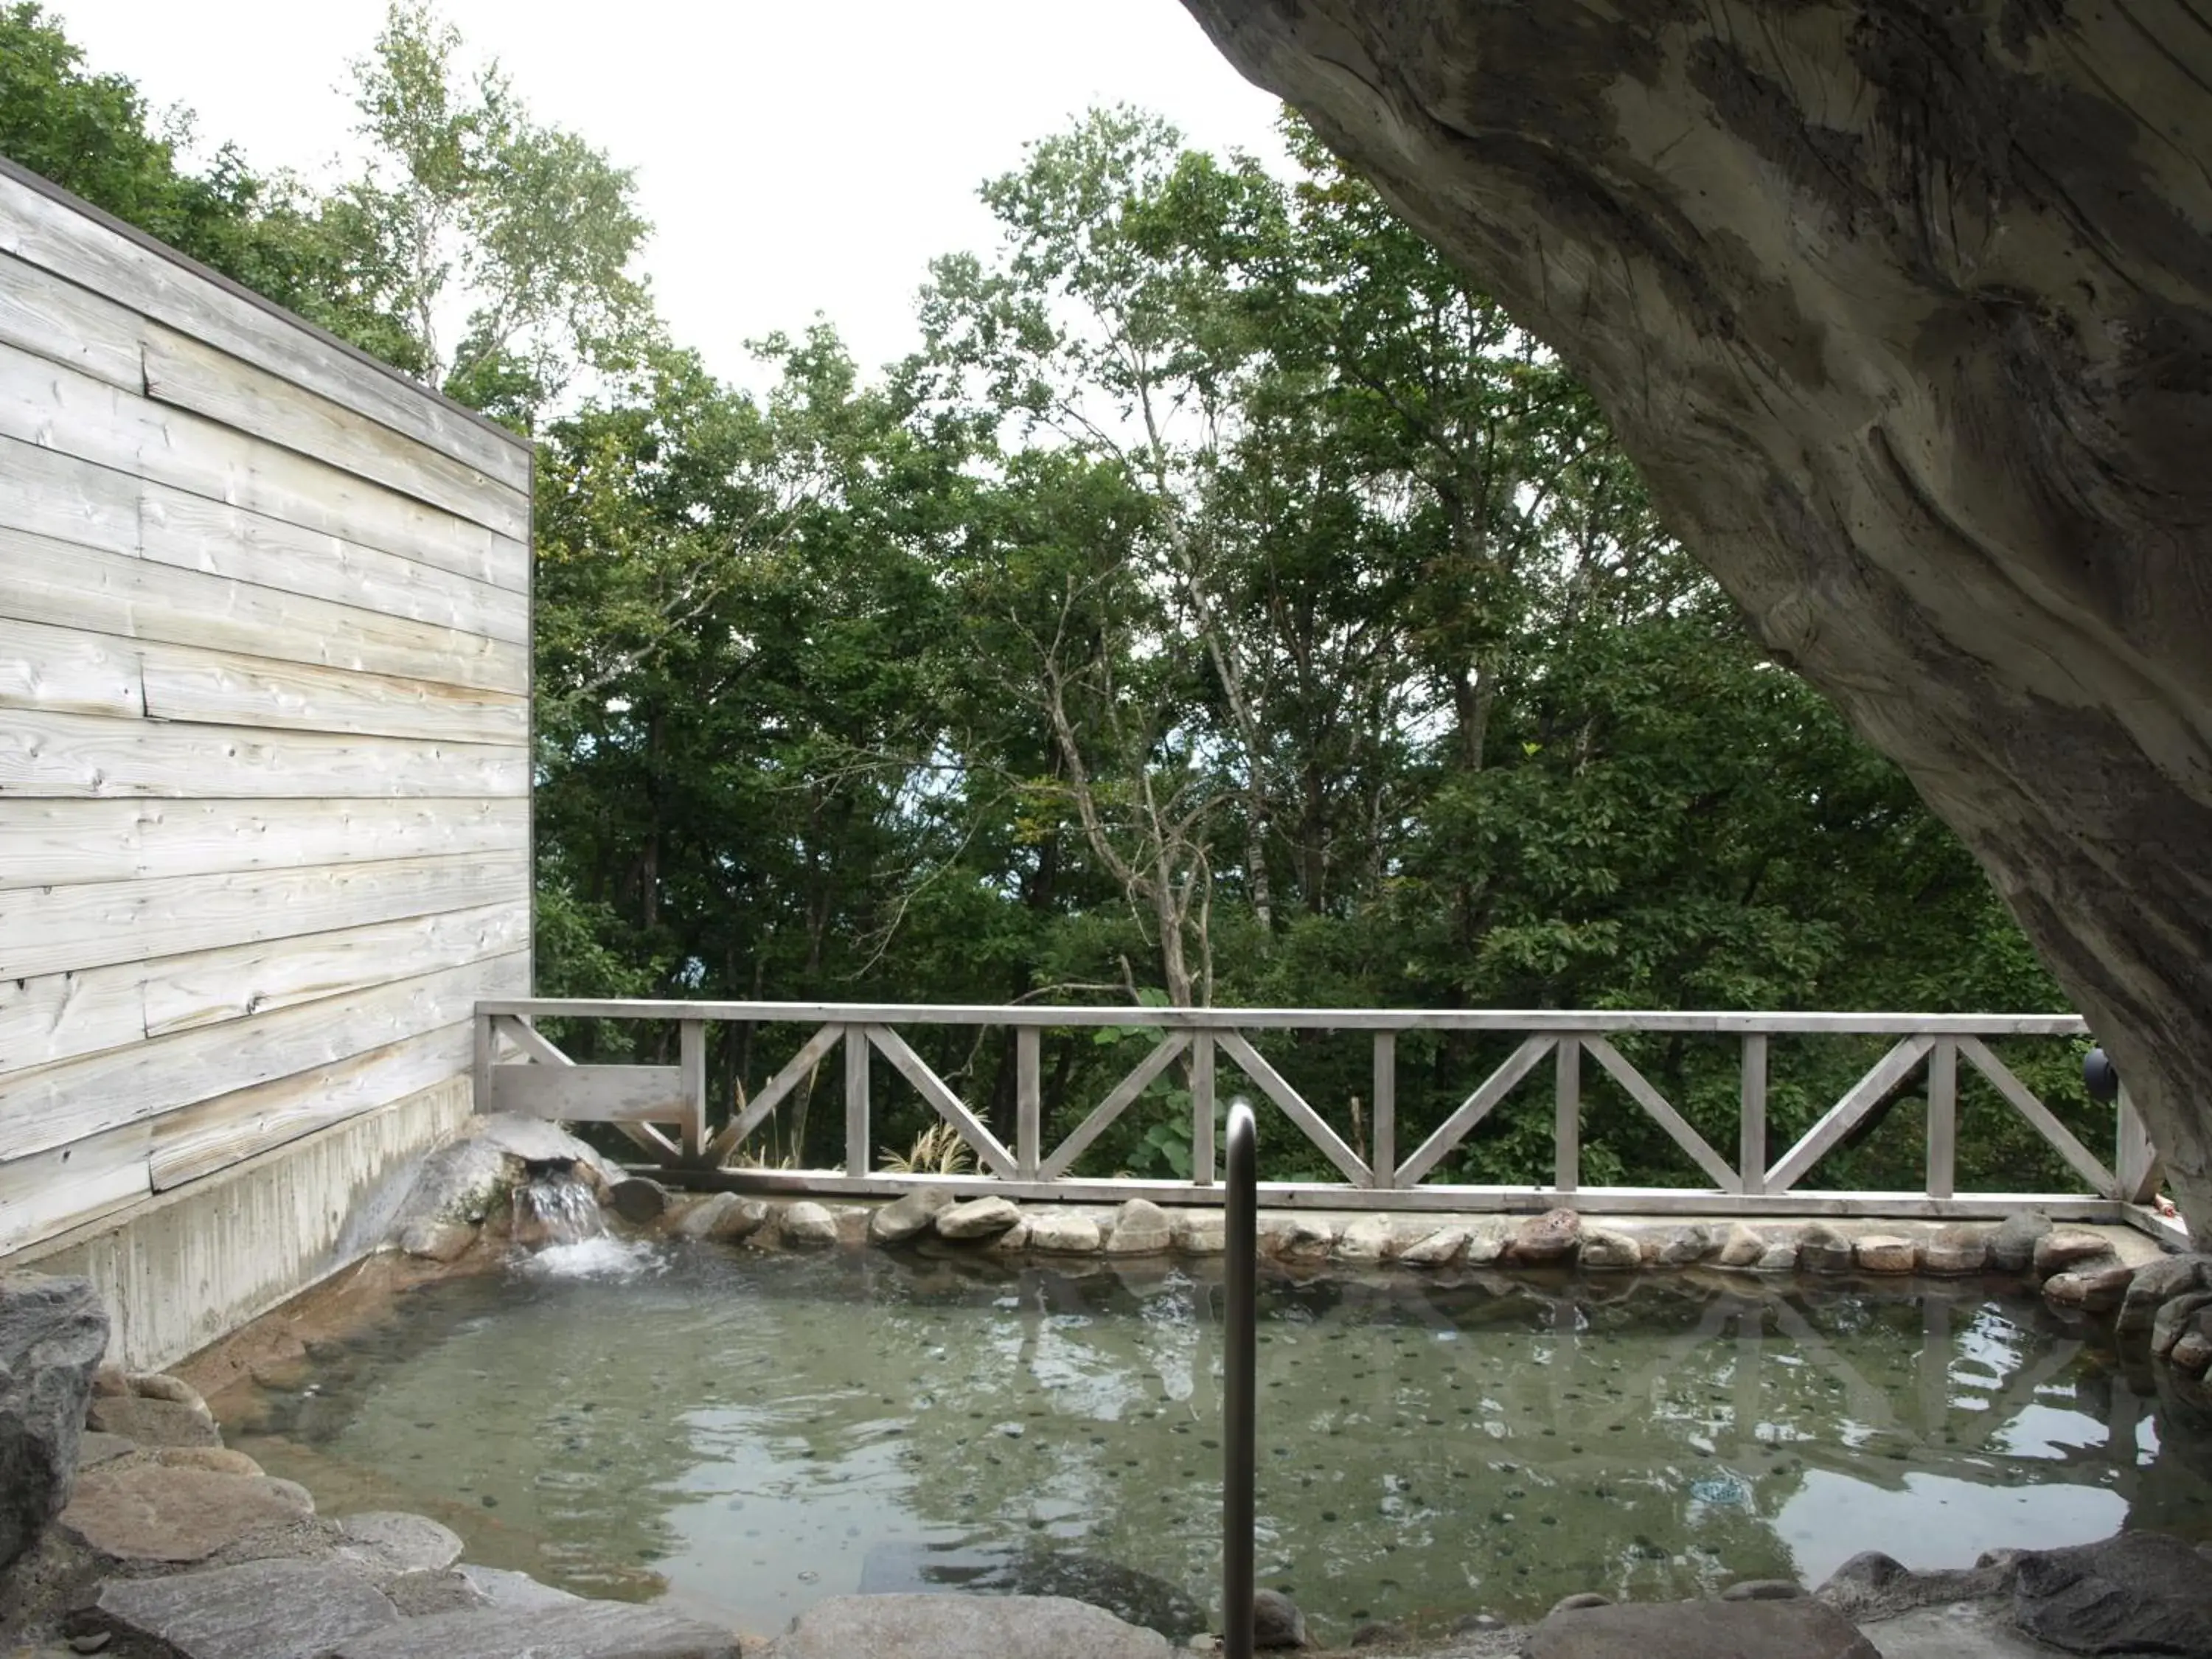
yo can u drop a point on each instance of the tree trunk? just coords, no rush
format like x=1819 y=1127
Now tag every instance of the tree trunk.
x=1905 y=310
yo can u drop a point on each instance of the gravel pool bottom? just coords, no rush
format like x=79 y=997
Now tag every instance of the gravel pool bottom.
x=746 y=1435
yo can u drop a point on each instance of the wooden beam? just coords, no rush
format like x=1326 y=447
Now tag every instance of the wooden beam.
x=1383 y=1154
x=1201 y=1107
x=691 y=1063
x=1255 y=1067
x=152 y=282
x=1677 y=1128
x=801 y=1065
x=1472 y=1110
x=65 y=1187
x=534 y=1044
x=46 y=842
x=51 y=1106
x=83 y=757
x=987 y=1146
x=68 y=929
x=857 y=1151
x=1542 y=1022
x=209 y=1137
x=590 y=1094
x=60 y=1017
x=1841 y=1118
x=43 y=403
x=1567 y=1114
x=65 y=586
x=1117 y=1102
x=1028 y=1100
x=1943 y=1117
x=2084 y=1163
x=2137 y=1169
x=181 y=372
x=1752 y=1100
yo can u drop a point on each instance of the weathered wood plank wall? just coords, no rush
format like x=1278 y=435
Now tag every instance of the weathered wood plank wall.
x=264 y=718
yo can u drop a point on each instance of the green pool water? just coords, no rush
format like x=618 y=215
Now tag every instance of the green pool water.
x=746 y=1435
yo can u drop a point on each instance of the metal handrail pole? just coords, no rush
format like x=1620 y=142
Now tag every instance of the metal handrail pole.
x=1240 y=1357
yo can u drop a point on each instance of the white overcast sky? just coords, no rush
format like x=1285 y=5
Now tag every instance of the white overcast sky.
x=793 y=158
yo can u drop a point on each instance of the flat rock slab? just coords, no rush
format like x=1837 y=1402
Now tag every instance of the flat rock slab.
x=283 y=1609
x=154 y=1512
x=516 y=1591
x=2137 y=1592
x=584 y=1630
x=970 y=1627
x=1701 y=1629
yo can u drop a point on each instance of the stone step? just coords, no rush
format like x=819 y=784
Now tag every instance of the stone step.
x=280 y=1610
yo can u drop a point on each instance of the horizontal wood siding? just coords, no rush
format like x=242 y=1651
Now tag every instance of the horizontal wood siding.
x=265 y=724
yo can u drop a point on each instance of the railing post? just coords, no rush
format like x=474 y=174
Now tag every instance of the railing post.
x=1943 y=1117
x=856 y=1100
x=2135 y=1159
x=1567 y=1130
x=691 y=1061
x=1240 y=1393
x=1751 y=1153
x=1029 y=1099
x=480 y=1070
x=1201 y=1109
x=1382 y=1143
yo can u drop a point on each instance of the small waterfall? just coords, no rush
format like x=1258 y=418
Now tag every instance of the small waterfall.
x=556 y=1207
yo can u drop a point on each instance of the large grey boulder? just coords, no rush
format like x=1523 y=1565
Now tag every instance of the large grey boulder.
x=2140 y=1592
x=278 y=1609
x=2156 y=1282
x=971 y=1626
x=2012 y=1247
x=722 y=1218
x=52 y=1333
x=978 y=1217
x=1700 y=1630
x=1903 y=314
x=1139 y=1227
x=466 y=1179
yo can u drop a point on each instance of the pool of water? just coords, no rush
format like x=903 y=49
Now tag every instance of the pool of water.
x=747 y=1435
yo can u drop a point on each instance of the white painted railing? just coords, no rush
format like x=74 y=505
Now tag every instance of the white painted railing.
x=664 y=1110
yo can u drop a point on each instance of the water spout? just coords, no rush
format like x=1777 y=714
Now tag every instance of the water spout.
x=557 y=1206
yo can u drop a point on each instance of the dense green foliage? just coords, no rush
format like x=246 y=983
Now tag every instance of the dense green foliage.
x=1227 y=605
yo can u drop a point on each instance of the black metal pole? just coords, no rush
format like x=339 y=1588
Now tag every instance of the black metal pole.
x=1240 y=1355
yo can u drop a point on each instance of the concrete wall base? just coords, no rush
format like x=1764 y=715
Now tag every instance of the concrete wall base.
x=190 y=1266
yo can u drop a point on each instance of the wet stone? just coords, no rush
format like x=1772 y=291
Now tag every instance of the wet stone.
x=1580 y=1602
x=279 y=1609
x=436 y=1240
x=386 y=1543
x=1378 y=1632
x=1779 y=1257
x=1064 y=1234
x=1886 y=1253
x=722 y=1218
x=638 y=1200
x=1484 y=1246
x=1604 y=1250
x=2157 y=1282
x=1678 y=1246
x=2139 y=1592
x=2060 y=1252
x=807 y=1225
x=1139 y=1227
x=2192 y=1350
x=154 y=1422
x=1551 y=1236
x=2092 y=1288
x=1763 y=1590
x=1201 y=1232
x=1954 y=1249
x=1366 y=1241
x=908 y=1215
x=2012 y=1247
x=1439 y=1248
x=1822 y=1249
x=2172 y=1318
x=1299 y=1238
x=978 y=1217
x=1741 y=1247
x=1802 y=1629
x=1276 y=1621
